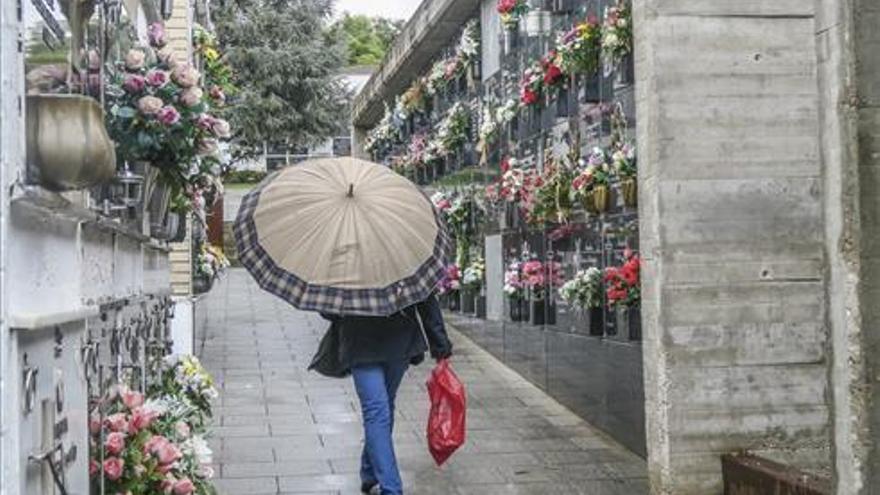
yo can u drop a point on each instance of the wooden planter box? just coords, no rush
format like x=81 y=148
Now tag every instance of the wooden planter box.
x=746 y=474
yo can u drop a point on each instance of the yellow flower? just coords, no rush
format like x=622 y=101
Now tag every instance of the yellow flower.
x=211 y=54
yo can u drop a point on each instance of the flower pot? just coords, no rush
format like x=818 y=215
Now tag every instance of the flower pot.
x=629 y=191
x=67 y=144
x=625 y=72
x=597 y=321
x=480 y=306
x=600 y=198
x=202 y=284
x=518 y=311
x=453 y=299
x=542 y=312
x=634 y=323
x=467 y=302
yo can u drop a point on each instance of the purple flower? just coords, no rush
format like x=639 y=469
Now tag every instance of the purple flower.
x=168 y=115
x=157 y=78
x=205 y=122
x=156 y=34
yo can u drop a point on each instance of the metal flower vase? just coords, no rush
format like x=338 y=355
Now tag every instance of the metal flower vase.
x=629 y=191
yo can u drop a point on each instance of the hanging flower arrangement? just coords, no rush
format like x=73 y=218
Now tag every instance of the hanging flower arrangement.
x=623 y=161
x=512 y=180
x=210 y=261
x=623 y=285
x=595 y=173
x=553 y=75
x=584 y=291
x=507 y=112
x=158 y=113
x=413 y=99
x=468 y=48
x=452 y=132
x=488 y=126
x=617 y=37
x=383 y=135
x=218 y=75
x=532 y=84
x=436 y=79
x=578 y=50
x=553 y=201
x=512 y=11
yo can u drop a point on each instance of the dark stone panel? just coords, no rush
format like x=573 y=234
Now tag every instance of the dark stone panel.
x=524 y=351
x=600 y=380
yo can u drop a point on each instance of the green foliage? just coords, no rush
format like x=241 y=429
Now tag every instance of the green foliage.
x=244 y=177
x=367 y=38
x=285 y=62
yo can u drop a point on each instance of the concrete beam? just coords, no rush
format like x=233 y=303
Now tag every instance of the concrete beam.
x=432 y=27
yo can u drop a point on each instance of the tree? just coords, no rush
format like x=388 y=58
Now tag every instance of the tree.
x=286 y=64
x=367 y=38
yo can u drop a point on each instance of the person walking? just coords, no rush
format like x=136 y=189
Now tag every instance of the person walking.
x=364 y=246
x=376 y=352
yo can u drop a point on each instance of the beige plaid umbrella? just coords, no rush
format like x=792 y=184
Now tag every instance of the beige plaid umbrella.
x=343 y=236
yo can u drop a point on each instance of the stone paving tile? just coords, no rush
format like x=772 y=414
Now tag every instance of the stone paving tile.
x=280 y=429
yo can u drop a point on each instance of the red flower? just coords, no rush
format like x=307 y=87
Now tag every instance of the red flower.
x=505 y=165
x=505 y=6
x=528 y=97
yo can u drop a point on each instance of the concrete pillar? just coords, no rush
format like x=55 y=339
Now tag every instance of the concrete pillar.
x=849 y=98
x=732 y=233
x=358 y=136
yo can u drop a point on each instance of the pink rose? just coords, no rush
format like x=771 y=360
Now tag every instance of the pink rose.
x=153 y=442
x=168 y=57
x=207 y=147
x=93 y=468
x=142 y=418
x=184 y=487
x=113 y=468
x=115 y=443
x=134 y=59
x=94 y=424
x=156 y=34
x=168 y=115
x=167 y=484
x=191 y=97
x=149 y=105
x=205 y=122
x=117 y=422
x=132 y=399
x=185 y=75
x=134 y=83
x=183 y=429
x=157 y=78
x=167 y=452
x=220 y=128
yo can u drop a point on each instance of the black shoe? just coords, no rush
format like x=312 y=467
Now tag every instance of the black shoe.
x=367 y=487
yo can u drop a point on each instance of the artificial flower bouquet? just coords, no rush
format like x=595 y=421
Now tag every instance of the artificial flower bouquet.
x=451 y=280
x=553 y=201
x=514 y=286
x=590 y=185
x=473 y=274
x=584 y=291
x=617 y=36
x=148 y=445
x=531 y=85
x=622 y=283
x=512 y=11
x=539 y=277
x=578 y=49
x=158 y=113
x=210 y=261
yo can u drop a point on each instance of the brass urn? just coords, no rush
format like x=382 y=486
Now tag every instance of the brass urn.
x=67 y=144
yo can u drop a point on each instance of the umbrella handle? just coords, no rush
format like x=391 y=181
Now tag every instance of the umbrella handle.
x=350 y=191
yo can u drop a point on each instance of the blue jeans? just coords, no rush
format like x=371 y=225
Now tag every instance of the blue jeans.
x=376 y=386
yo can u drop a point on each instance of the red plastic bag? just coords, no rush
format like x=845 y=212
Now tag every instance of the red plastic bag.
x=446 y=423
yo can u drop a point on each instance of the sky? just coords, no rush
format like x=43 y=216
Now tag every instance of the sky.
x=395 y=9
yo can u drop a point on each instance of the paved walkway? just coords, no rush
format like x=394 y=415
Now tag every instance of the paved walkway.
x=281 y=429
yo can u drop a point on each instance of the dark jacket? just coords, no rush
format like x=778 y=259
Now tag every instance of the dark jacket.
x=357 y=340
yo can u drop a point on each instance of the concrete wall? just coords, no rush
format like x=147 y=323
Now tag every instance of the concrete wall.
x=732 y=231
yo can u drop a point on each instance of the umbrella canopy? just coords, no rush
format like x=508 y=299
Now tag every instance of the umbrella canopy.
x=342 y=236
